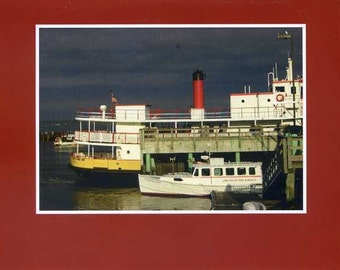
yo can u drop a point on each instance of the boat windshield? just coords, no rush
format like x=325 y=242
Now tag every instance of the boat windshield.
x=194 y=171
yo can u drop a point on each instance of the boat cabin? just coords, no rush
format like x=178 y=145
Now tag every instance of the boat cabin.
x=217 y=168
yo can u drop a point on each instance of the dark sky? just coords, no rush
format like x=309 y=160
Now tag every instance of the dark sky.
x=79 y=66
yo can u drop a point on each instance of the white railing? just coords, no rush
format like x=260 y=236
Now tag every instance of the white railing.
x=279 y=111
x=106 y=137
x=173 y=133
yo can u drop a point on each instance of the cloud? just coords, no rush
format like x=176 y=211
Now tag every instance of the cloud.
x=154 y=65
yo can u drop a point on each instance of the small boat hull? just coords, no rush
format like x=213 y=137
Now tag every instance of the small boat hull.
x=186 y=186
x=64 y=144
x=65 y=141
x=150 y=184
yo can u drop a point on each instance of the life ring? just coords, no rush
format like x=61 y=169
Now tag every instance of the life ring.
x=280 y=98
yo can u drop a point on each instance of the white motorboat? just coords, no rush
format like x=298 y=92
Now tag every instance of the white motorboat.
x=65 y=140
x=214 y=175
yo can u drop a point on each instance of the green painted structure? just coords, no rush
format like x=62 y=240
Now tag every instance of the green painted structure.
x=284 y=149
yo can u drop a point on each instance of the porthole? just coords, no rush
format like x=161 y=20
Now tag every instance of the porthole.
x=268 y=99
x=128 y=151
x=242 y=101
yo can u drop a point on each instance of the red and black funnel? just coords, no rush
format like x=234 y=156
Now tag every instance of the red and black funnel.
x=198 y=89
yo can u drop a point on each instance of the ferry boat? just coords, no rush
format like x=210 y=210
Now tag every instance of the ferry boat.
x=109 y=138
x=64 y=140
x=214 y=175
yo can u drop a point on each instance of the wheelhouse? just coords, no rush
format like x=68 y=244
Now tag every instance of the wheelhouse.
x=228 y=171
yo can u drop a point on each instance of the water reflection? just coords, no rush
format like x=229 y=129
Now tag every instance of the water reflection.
x=131 y=199
x=170 y=203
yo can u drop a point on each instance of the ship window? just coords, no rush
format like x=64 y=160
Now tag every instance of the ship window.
x=230 y=171
x=242 y=101
x=251 y=170
x=279 y=89
x=205 y=172
x=268 y=99
x=241 y=171
x=218 y=172
x=195 y=172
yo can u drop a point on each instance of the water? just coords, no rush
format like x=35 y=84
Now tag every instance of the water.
x=62 y=189
x=58 y=126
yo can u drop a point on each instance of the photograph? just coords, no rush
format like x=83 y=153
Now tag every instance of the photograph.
x=171 y=118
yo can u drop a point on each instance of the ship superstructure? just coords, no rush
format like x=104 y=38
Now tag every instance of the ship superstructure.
x=276 y=103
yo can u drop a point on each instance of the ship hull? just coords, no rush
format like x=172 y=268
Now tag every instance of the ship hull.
x=102 y=177
x=104 y=172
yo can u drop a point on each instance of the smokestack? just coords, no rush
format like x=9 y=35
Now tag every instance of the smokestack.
x=198 y=89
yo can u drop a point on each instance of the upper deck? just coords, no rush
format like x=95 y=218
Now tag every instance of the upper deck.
x=128 y=115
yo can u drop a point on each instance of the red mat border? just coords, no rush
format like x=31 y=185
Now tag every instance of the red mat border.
x=165 y=241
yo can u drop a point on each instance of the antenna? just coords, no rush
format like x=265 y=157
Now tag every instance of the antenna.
x=268 y=78
x=275 y=73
